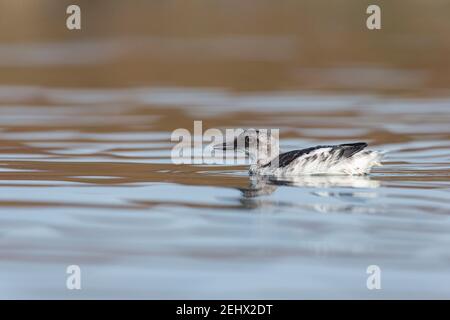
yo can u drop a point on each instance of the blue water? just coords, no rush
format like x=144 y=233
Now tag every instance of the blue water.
x=86 y=179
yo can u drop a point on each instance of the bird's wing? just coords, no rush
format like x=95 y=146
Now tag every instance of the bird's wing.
x=349 y=149
x=338 y=151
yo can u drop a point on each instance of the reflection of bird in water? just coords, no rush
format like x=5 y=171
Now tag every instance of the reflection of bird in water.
x=263 y=150
x=327 y=181
x=266 y=185
x=260 y=186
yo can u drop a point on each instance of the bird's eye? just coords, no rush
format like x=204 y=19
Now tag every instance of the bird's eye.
x=247 y=142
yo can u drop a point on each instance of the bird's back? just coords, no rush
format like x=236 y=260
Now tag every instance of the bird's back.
x=346 y=158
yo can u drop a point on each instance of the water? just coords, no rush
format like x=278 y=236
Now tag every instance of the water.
x=86 y=176
x=86 y=179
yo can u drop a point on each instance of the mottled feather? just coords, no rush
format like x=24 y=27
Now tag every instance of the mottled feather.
x=344 y=151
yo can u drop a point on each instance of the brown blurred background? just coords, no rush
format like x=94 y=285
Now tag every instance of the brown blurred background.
x=242 y=45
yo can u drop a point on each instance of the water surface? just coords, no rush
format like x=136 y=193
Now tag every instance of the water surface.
x=86 y=178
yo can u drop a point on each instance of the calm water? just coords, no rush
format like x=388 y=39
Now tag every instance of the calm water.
x=86 y=178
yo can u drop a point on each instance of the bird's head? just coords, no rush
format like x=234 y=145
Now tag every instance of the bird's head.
x=261 y=145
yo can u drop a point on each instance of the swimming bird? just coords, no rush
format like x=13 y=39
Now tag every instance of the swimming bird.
x=263 y=150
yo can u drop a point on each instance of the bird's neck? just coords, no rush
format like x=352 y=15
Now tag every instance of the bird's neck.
x=263 y=157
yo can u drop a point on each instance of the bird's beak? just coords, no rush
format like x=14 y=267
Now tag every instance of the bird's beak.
x=225 y=146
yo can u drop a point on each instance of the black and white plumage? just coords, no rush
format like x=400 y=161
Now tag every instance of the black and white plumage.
x=342 y=159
